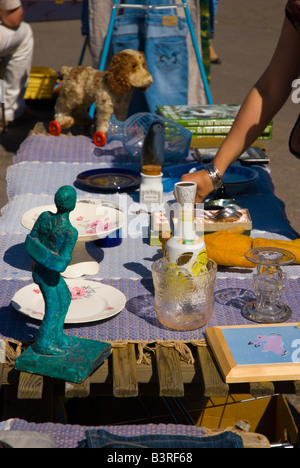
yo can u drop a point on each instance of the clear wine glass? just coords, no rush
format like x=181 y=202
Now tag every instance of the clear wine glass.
x=268 y=284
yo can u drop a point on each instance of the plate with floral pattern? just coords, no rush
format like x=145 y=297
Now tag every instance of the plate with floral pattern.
x=94 y=219
x=92 y=301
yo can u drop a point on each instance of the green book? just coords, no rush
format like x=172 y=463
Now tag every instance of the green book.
x=220 y=130
x=201 y=141
x=199 y=116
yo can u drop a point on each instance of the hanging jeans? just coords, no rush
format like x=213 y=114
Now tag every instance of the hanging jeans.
x=167 y=57
x=129 y=34
x=98 y=24
x=213 y=6
x=162 y=35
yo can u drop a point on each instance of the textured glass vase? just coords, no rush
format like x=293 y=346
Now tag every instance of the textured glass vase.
x=183 y=302
x=133 y=131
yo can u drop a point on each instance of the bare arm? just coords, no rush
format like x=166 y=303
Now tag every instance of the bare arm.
x=12 y=18
x=262 y=103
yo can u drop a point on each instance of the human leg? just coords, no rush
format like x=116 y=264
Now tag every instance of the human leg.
x=16 y=49
x=213 y=5
x=99 y=16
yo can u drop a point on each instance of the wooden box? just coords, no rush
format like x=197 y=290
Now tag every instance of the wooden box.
x=41 y=83
x=269 y=416
x=159 y=225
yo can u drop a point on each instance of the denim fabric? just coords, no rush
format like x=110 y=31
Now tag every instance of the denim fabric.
x=103 y=439
x=167 y=58
x=213 y=5
x=85 y=18
x=128 y=32
x=166 y=51
x=151 y=2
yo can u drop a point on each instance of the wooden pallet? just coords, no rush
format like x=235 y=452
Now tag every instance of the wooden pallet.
x=166 y=376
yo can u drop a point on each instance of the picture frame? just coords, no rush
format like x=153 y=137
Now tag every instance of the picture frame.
x=256 y=353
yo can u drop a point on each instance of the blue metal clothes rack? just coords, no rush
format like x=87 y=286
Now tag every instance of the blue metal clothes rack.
x=117 y=5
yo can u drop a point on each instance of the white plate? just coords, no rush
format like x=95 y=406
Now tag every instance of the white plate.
x=94 y=219
x=91 y=301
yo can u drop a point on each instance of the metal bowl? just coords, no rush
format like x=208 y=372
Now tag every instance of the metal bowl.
x=221 y=203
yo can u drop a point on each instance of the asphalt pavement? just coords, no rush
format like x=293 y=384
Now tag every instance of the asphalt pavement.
x=56 y=44
x=246 y=34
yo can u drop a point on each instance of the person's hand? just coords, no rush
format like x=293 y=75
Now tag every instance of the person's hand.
x=203 y=181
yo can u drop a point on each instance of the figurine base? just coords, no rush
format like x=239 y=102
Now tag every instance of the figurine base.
x=79 y=362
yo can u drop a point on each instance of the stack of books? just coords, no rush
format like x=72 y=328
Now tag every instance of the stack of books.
x=207 y=122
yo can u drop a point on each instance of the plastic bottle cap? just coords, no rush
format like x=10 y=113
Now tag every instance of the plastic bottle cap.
x=151 y=169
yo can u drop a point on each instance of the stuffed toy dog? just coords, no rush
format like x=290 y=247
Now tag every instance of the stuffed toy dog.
x=111 y=91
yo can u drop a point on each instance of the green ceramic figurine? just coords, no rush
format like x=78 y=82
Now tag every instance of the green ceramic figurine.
x=50 y=244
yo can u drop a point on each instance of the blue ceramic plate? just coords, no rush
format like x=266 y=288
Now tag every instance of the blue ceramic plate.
x=238 y=178
x=109 y=180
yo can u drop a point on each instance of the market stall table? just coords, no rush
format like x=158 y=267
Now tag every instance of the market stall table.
x=139 y=341
x=267 y=211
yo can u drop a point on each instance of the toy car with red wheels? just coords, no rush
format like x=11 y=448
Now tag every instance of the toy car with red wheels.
x=54 y=128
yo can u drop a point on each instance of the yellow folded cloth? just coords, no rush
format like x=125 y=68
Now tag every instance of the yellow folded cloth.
x=290 y=245
x=227 y=248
